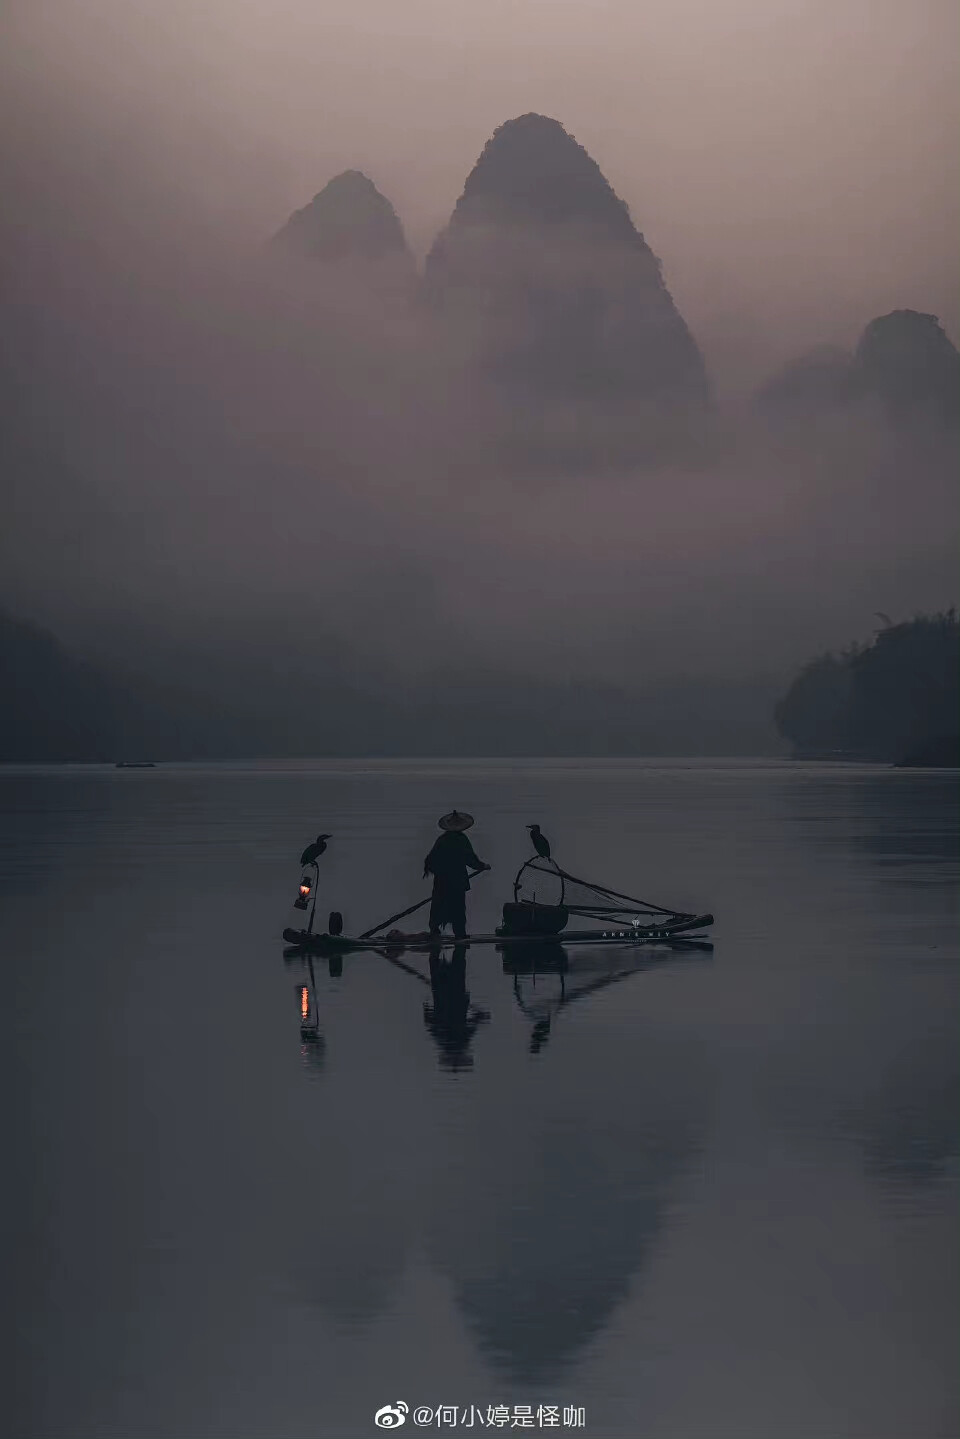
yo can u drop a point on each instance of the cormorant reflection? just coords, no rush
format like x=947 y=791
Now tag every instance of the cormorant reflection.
x=543 y=983
x=546 y=979
x=539 y=1001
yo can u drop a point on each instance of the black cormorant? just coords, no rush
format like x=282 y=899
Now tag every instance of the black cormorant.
x=313 y=851
x=540 y=842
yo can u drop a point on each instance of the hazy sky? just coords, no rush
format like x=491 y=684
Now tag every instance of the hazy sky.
x=189 y=441
x=792 y=162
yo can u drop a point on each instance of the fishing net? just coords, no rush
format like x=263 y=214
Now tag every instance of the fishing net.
x=545 y=895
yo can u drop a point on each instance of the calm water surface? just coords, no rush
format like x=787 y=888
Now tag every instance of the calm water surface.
x=716 y=1196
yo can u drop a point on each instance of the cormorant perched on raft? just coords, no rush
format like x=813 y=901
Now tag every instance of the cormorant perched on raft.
x=313 y=851
x=540 y=842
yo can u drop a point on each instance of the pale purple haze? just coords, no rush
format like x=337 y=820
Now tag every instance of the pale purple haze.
x=204 y=442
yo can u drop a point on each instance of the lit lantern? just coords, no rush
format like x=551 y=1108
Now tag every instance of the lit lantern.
x=304 y=894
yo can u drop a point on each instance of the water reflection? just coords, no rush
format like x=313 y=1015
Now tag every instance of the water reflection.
x=449 y=1016
x=208 y=1248
x=906 y=821
x=548 y=977
x=578 y=1182
x=451 y=1019
x=313 y=1046
x=542 y=1215
x=907 y=1125
x=896 y=1095
x=552 y=1253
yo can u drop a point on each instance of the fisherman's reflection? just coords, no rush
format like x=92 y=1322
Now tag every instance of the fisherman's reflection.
x=451 y=1018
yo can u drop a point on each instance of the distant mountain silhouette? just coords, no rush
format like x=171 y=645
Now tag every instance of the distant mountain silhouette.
x=58 y=706
x=907 y=362
x=903 y=362
x=278 y=700
x=348 y=220
x=555 y=290
x=54 y=706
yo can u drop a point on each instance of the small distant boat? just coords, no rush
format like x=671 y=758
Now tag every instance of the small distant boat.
x=135 y=764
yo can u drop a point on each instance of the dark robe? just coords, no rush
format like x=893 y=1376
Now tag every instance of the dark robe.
x=448 y=862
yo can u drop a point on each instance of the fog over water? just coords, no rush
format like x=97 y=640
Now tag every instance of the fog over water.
x=605 y=377
x=213 y=448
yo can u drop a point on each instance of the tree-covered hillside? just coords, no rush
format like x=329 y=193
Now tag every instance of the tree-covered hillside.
x=896 y=699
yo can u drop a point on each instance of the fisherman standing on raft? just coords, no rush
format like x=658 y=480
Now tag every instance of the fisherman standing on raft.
x=449 y=862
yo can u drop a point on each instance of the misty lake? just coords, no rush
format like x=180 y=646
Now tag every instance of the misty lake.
x=714 y=1198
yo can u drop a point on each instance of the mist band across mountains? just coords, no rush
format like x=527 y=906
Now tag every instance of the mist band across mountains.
x=311 y=500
